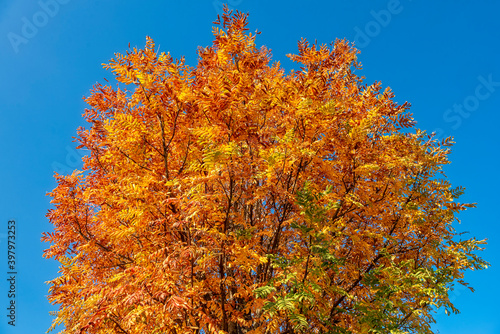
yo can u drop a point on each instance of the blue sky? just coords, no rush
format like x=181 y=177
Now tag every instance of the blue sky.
x=442 y=57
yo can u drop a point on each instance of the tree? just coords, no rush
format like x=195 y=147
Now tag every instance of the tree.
x=232 y=198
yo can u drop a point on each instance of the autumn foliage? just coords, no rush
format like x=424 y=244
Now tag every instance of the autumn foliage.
x=235 y=198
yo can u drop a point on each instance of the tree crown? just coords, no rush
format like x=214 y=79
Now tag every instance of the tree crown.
x=235 y=198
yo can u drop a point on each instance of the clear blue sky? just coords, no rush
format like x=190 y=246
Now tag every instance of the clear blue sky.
x=442 y=57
